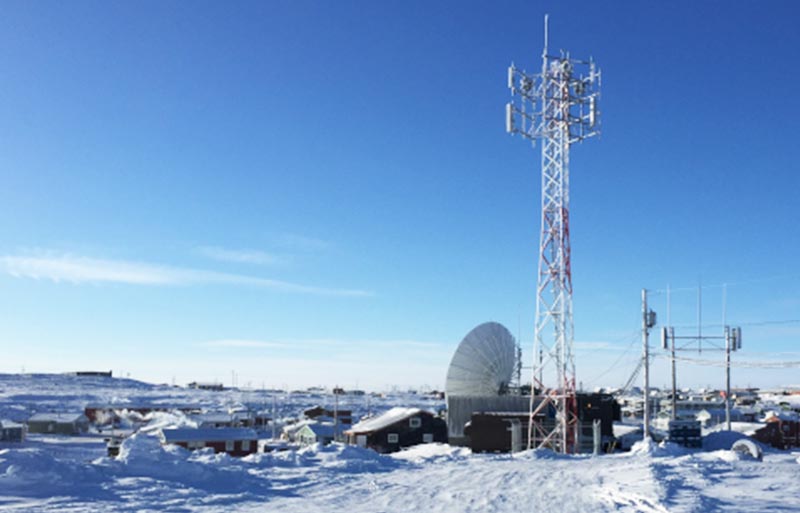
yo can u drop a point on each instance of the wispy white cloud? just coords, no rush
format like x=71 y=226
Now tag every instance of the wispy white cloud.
x=77 y=270
x=241 y=256
x=74 y=269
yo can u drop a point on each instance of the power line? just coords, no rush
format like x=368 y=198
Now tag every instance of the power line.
x=748 y=365
x=624 y=353
x=751 y=323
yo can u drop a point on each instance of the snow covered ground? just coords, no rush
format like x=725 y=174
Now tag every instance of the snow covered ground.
x=71 y=474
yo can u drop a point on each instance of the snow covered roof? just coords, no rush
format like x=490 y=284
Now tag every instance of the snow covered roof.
x=392 y=416
x=207 y=435
x=10 y=424
x=218 y=417
x=321 y=429
x=65 y=418
x=296 y=426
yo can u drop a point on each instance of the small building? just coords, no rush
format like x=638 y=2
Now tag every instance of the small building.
x=92 y=374
x=292 y=432
x=507 y=430
x=198 y=385
x=396 y=429
x=316 y=433
x=343 y=416
x=262 y=420
x=289 y=431
x=780 y=432
x=12 y=431
x=223 y=419
x=234 y=441
x=744 y=396
x=597 y=407
x=497 y=431
x=58 y=423
x=712 y=417
x=687 y=433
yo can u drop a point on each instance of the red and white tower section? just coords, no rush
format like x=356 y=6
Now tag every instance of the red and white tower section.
x=559 y=107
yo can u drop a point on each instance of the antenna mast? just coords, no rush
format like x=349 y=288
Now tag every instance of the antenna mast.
x=558 y=106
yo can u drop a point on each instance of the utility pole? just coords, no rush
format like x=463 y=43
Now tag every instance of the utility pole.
x=727 y=378
x=674 y=415
x=648 y=321
x=733 y=342
x=336 y=413
x=558 y=106
x=731 y=336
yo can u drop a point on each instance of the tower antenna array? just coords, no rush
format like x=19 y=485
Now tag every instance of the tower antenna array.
x=558 y=106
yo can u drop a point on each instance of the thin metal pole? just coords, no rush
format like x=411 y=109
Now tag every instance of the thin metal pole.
x=727 y=357
x=274 y=414
x=728 y=377
x=646 y=357
x=674 y=377
x=671 y=335
x=335 y=414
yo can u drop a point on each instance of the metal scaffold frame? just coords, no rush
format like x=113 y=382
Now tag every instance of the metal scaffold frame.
x=558 y=106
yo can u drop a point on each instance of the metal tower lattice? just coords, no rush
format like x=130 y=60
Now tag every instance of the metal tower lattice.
x=558 y=106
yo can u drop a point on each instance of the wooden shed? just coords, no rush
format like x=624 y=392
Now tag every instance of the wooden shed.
x=396 y=429
x=234 y=441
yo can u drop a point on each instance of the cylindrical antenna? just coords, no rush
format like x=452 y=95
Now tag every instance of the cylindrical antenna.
x=544 y=52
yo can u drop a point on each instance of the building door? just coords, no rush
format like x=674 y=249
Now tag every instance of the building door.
x=361 y=440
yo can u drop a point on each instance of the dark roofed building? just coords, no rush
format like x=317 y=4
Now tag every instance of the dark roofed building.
x=396 y=429
x=507 y=430
x=497 y=431
x=343 y=416
x=12 y=431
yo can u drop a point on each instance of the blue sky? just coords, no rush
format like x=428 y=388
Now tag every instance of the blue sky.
x=323 y=192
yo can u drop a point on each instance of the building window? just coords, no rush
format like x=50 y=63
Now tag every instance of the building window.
x=414 y=422
x=229 y=446
x=393 y=438
x=427 y=438
x=245 y=445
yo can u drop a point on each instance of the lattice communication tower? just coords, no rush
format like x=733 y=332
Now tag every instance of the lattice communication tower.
x=559 y=105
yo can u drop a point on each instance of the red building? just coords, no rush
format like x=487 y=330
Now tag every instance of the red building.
x=234 y=441
x=780 y=433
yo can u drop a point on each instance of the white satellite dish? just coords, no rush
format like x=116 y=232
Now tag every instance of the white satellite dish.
x=484 y=362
